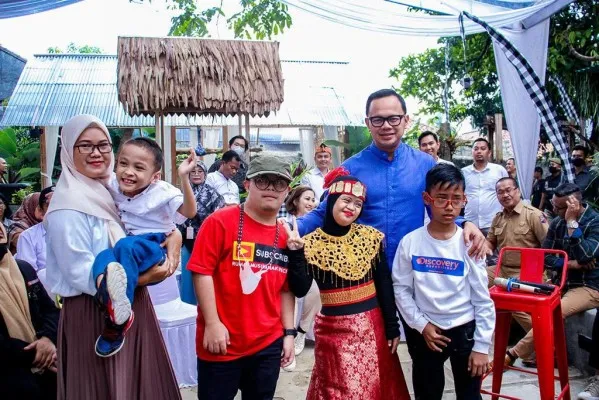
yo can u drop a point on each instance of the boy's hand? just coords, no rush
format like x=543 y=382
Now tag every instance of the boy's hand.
x=288 y=354
x=393 y=344
x=216 y=338
x=434 y=339
x=478 y=363
x=187 y=165
x=477 y=242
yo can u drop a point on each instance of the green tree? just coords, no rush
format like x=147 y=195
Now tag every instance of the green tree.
x=72 y=48
x=259 y=19
x=573 y=45
x=22 y=154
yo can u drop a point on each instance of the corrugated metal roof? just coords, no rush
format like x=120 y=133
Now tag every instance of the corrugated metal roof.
x=55 y=87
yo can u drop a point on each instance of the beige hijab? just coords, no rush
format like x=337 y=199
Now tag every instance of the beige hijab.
x=14 y=305
x=75 y=191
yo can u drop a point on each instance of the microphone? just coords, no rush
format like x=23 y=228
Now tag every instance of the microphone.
x=511 y=285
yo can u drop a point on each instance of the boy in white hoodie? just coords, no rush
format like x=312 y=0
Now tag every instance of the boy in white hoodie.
x=442 y=295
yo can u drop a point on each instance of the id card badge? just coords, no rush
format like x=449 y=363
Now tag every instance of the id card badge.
x=189 y=232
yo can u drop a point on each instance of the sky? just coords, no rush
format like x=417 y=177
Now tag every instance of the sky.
x=100 y=22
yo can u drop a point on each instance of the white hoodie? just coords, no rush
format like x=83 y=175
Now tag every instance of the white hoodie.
x=436 y=281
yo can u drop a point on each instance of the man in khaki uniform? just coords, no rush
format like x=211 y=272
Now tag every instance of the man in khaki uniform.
x=518 y=225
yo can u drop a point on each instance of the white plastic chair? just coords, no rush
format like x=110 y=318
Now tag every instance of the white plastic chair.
x=178 y=325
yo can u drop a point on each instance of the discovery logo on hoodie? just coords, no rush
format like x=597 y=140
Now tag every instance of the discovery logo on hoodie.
x=436 y=265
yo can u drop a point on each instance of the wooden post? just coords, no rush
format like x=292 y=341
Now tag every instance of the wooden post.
x=173 y=149
x=499 y=137
x=46 y=177
x=492 y=140
x=226 y=138
x=247 y=132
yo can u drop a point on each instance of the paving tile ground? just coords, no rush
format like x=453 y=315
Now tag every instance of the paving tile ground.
x=294 y=385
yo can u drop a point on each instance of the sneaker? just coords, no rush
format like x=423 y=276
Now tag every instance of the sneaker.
x=290 y=367
x=112 y=339
x=119 y=306
x=300 y=343
x=591 y=391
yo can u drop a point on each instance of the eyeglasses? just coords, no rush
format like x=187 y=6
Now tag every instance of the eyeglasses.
x=103 y=148
x=442 y=203
x=507 y=191
x=278 y=184
x=393 y=120
x=197 y=172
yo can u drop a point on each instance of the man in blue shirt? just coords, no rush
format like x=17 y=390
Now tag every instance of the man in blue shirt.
x=394 y=174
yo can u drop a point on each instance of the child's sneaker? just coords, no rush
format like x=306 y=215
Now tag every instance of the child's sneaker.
x=112 y=294
x=112 y=339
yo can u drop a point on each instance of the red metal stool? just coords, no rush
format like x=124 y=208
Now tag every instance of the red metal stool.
x=547 y=324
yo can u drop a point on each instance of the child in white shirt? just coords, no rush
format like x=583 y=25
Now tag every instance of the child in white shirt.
x=442 y=295
x=149 y=209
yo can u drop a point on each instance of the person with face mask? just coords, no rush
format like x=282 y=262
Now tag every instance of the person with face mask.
x=586 y=179
x=551 y=183
x=239 y=145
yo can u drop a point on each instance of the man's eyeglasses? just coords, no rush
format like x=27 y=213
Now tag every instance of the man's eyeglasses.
x=442 y=203
x=90 y=148
x=393 y=120
x=263 y=183
x=507 y=191
x=556 y=207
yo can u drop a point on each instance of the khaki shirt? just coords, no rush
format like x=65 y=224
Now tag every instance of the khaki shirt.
x=525 y=226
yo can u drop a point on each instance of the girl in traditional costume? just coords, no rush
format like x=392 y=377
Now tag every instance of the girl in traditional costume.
x=357 y=330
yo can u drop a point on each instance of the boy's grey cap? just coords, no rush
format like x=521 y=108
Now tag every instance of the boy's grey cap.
x=267 y=164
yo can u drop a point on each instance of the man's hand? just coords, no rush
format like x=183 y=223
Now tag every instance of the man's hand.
x=573 y=209
x=434 y=339
x=288 y=353
x=573 y=264
x=294 y=241
x=478 y=363
x=476 y=241
x=45 y=353
x=187 y=165
x=216 y=338
x=393 y=344
x=173 y=249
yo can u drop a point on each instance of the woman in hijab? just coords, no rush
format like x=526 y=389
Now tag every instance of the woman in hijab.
x=357 y=330
x=28 y=325
x=25 y=217
x=208 y=200
x=81 y=221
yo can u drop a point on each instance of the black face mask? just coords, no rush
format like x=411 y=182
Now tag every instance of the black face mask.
x=553 y=170
x=3 y=250
x=578 y=162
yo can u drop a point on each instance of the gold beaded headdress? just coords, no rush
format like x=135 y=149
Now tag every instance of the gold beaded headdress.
x=347 y=186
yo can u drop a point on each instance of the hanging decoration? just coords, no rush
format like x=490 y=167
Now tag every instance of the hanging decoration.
x=537 y=92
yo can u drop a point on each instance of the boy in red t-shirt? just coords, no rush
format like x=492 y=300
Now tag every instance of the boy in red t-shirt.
x=245 y=310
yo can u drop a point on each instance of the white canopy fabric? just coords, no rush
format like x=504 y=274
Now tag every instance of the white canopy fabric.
x=521 y=115
x=382 y=16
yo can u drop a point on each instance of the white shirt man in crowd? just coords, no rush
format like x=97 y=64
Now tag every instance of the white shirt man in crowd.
x=429 y=143
x=315 y=177
x=481 y=178
x=222 y=181
x=31 y=245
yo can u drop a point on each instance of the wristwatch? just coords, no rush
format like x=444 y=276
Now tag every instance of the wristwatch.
x=572 y=224
x=290 y=332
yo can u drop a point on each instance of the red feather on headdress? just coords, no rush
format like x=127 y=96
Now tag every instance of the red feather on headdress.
x=333 y=174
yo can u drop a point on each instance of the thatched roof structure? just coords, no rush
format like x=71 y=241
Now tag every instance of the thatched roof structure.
x=176 y=75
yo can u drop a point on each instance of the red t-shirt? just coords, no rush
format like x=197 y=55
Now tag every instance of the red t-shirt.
x=251 y=311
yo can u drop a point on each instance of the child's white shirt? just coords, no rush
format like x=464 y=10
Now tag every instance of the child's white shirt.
x=437 y=281
x=155 y=210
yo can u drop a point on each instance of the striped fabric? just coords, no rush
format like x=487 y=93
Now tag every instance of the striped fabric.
x=537 y=92
x=565 y=100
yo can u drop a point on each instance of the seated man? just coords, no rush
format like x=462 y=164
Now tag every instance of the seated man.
x=576 y=231
x=518 y=225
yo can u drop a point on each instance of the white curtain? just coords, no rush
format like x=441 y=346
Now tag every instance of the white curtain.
x=522 y=118
x=51 y=133
x=210 y=137
x=307 y=145
x=387 y=17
